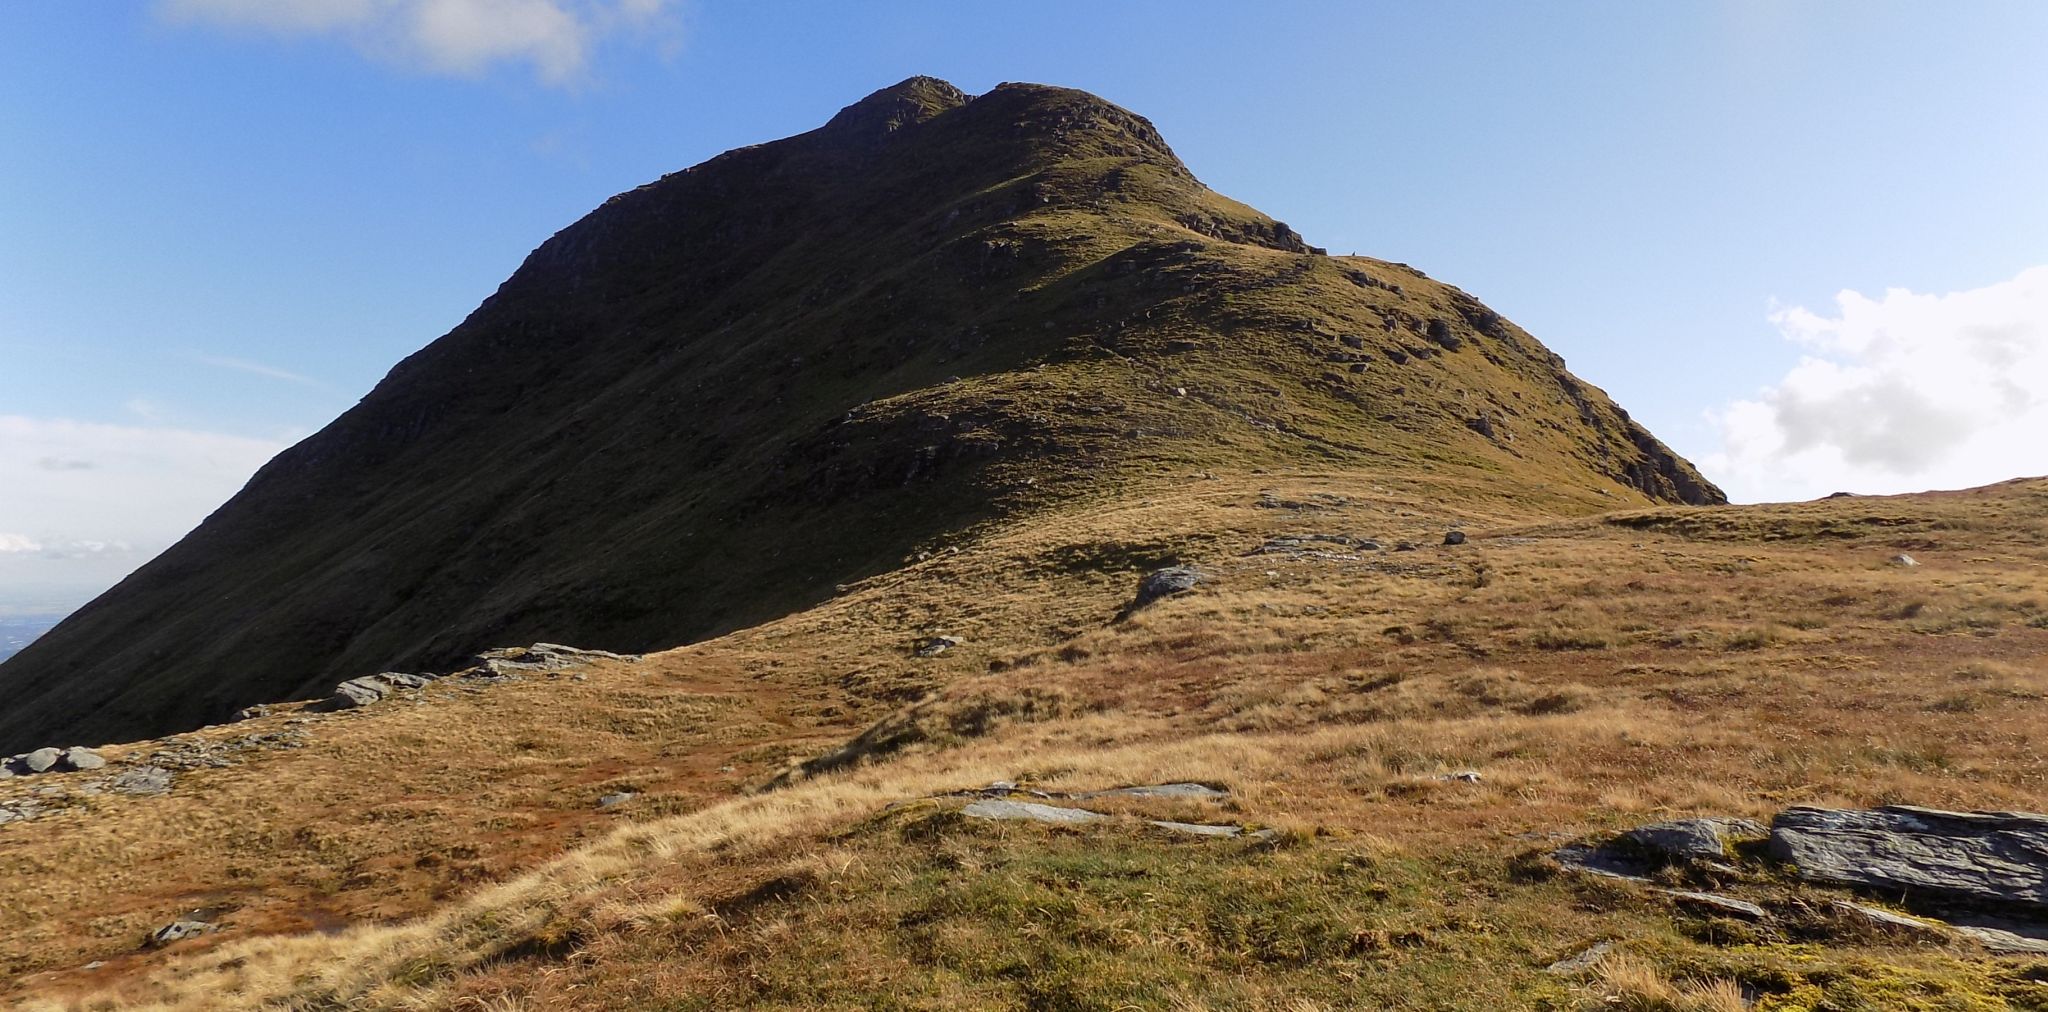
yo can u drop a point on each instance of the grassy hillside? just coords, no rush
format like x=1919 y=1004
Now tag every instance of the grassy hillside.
x=723 y=394
x=1594 y=670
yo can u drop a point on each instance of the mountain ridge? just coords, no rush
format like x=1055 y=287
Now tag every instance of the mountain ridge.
x=721 y=394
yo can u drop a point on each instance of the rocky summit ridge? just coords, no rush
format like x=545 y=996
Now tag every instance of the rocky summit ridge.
x=721 y=395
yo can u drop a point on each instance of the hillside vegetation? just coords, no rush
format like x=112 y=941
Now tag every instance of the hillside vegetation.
x=448 y=850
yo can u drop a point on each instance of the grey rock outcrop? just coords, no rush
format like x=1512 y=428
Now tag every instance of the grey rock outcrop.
x=1688 y=840
x=1995 y=859
x=1162 y=583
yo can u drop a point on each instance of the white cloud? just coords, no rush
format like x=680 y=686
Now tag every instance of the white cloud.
x=122 y=494
x=462 y=37
x=1900 y=393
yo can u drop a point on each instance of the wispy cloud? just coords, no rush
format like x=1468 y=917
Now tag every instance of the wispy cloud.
x=254 y=368
x=1898 y=393
x=460 y=37
x=83 y=528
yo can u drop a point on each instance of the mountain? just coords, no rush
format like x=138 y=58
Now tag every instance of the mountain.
x=722 y=395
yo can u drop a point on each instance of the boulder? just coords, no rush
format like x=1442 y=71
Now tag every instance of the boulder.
x=42 y=760
x=1903 y=560
x=178 y=931
x=1994 y=859
x=936 y=645
x=78 y=758
x=1454 y=538
x=358 y=692
x=1163 y=583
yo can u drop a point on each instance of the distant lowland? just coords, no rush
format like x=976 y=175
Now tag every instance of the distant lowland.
x=18 y=631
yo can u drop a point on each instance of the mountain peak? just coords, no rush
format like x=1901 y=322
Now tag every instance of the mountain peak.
x=909 y=101
x=723 y=394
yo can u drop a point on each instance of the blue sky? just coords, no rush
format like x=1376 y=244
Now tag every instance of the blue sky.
x=1797 y=240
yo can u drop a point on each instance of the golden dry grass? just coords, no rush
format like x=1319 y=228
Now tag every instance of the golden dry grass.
x=1596 y=672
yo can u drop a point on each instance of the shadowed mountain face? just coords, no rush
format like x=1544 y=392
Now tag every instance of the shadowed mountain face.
x=722 y=393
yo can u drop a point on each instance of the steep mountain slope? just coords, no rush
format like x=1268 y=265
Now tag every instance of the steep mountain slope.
x=721 y=394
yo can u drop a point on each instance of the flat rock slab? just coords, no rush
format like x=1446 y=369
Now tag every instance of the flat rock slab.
x=1878 y=917
x=1715 y=903
x=1200 y=792
x=2005 y=938
x=1060 y=815
x=1998 y=859
x=992 y=808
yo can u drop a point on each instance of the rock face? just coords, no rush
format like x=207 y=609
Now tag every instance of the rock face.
x=756 y=351
x=1994 y=859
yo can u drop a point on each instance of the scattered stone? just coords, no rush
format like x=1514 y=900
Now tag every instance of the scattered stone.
x=94 y=965
x=1454 y=538
x=615 y=800
x=178 y=931
x=1904 y=561
x=1719 y=904
x=1689 y=840
x=1999 y=859
x=937 y=645
x=41 y=760
x=1368 y=545
x=1404 y=546
x=1462 y=777
x=1582 y=962
x=79 y=758
x=147 y=781
x=252 y=712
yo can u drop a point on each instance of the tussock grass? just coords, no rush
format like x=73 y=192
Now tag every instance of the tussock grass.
x=494 y=881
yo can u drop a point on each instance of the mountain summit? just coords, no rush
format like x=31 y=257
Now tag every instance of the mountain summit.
x=721 y=394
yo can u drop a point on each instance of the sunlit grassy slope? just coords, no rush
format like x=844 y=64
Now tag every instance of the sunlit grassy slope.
x=1595 y=669
x=724 y=393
